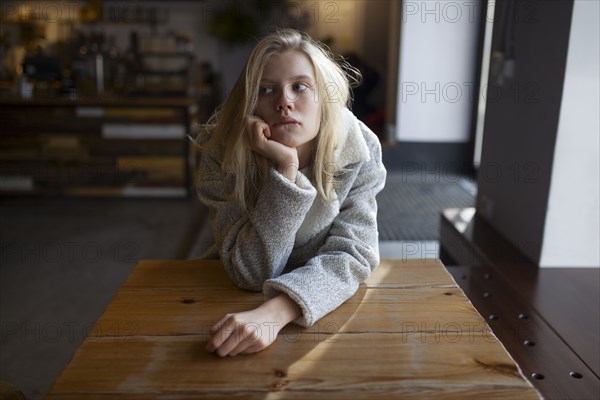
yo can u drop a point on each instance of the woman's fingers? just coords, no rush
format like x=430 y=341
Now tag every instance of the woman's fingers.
x=218 y=325
x=260 y=131
x=259 y=141
x=257 y=128
x=221 y=331
x=248 y=331
x=233 y=337
x=242 y=336
x=241 y=347
x=266 y=130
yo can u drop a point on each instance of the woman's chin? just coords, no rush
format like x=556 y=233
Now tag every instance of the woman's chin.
x=283 y=138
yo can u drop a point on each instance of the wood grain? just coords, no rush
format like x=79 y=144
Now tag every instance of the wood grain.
x=453 y=392
x=207 y=274
x=410 y=364
x=179 y=274
x=408 y=332
x=167 y=312
x=410 y=273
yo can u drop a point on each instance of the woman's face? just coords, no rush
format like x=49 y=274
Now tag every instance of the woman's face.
x=288 y=100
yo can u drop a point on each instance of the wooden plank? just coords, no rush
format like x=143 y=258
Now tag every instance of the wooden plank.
x=454 y=392
x=179 y=274
x=410 y=273
x=211 y=274
x=155 y=162
x=165 y=312
x=169 y=312
x=406 y=365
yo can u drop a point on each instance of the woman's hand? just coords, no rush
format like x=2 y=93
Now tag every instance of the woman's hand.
x=284 y=157
x=254 y=330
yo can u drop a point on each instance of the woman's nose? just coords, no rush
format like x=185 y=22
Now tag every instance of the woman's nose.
x=286 y=99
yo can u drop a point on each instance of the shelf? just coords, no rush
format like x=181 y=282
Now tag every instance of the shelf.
x=126 y=148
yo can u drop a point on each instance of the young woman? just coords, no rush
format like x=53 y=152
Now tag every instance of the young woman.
x=290 y=177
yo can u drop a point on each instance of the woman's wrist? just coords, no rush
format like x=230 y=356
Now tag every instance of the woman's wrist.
x=289 y=169
x=283 y=309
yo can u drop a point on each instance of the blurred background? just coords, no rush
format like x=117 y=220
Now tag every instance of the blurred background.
x=487 y=112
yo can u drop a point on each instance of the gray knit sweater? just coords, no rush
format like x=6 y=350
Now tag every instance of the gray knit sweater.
x=292 y=241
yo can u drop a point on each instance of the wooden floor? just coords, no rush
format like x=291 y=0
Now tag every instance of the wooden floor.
x=547 y=318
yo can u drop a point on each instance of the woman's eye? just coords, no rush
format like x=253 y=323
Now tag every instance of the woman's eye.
x=265 y=90
x=299 y=86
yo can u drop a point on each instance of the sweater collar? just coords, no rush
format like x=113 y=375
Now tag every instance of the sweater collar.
x=353 y=147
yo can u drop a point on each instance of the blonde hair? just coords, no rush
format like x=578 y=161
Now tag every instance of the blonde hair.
x=227 y=126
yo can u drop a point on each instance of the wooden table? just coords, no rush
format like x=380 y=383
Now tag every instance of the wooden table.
x=408 y=332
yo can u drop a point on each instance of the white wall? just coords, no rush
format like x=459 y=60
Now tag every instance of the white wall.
x=437 y=70
x=572 y=228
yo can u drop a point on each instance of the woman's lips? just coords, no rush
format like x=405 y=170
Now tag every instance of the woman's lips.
x=285 y=122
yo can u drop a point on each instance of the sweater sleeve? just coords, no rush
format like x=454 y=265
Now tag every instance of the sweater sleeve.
x=256 y=246
x=349 y=254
